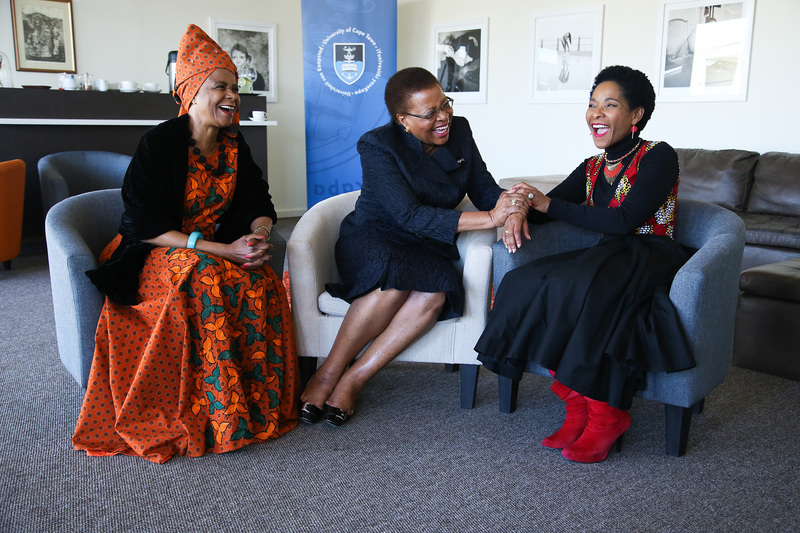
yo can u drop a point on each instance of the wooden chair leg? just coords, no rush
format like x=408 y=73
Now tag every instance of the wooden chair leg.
x=307 y=367
x=469 y=385
x=678 y=420
x=507 y=389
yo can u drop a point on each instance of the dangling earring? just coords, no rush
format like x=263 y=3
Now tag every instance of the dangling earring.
x=634 y=129
x=407 y=130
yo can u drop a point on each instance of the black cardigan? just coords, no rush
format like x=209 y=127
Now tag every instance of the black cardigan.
x=153 y=195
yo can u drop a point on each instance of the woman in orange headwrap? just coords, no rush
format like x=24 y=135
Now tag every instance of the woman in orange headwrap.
x=195 y=346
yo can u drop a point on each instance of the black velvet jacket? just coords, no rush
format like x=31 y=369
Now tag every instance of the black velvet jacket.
x=153 y=194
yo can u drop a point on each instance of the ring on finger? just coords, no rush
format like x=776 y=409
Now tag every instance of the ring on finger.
x=530 y=196
x=514 y=201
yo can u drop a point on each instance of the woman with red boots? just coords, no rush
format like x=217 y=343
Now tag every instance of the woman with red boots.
x=598 y=318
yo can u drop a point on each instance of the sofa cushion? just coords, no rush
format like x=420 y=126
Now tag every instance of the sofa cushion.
x=777 y=280
x=776 y=189
x=772 y=230
x=722 y=177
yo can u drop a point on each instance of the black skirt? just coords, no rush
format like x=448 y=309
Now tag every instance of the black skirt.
x=370 y=258
x=598 y=317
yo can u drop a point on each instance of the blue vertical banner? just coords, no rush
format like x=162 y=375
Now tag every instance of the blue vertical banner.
x=349 y=51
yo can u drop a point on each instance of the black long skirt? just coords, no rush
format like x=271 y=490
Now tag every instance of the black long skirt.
x=598 y=317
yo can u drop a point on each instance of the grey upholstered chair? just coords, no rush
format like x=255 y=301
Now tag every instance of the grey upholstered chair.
x=704 y=292
x=318 y=316
x=77 y=229
x=66 y=174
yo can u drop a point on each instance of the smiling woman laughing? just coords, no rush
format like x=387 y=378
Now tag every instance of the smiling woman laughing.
x=195 y=346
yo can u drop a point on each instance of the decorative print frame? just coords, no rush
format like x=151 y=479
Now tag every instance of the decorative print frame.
x=705 y=50
x=460 y=53
x=44 y=40
x=566 y=49
x=251 y=44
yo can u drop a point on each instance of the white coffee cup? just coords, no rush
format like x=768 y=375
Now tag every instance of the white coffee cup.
x=151 y=87
x=127 y=86
x=101 y=85
x=259 y=115
x=69 y=84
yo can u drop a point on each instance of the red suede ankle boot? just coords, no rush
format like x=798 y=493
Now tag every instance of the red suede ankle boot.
x=605 y=427
x=575 y=421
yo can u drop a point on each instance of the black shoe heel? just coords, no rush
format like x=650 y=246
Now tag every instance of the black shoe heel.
x=618 y=443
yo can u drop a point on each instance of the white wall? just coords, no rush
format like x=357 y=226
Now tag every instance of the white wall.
x=518 y=138
x=130 y=39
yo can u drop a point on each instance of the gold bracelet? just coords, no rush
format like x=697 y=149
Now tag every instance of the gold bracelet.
x=269 y=231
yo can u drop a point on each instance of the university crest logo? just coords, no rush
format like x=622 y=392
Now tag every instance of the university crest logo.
x=348 y=61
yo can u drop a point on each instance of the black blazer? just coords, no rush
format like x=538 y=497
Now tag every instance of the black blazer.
x=412 y=195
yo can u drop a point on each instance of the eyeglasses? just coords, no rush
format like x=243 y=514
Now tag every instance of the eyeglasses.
x=432 y=114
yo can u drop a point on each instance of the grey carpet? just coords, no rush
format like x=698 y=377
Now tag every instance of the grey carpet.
x=410 y=460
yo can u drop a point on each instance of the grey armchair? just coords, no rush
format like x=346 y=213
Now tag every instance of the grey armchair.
x=66 y=174
x=318 y=315
x=77 y=229
x=704 y=292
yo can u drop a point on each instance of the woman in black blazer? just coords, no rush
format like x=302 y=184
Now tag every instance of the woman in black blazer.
x=395 y=250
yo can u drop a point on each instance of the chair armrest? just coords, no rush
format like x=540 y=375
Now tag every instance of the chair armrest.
x=76 y=230
x=53 y=184
x=705 y=289
x=475 y=265
x=546 y=239
x=310 y=253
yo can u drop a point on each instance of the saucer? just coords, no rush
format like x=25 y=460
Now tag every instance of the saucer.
x=129 y=90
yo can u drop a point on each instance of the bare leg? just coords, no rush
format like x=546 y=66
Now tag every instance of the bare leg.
x=415 y=318
x=366 y=318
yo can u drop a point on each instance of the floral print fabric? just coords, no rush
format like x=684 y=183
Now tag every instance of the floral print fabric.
x=206 y=362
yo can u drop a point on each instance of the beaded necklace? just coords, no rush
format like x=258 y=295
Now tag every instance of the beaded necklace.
x=221 y=161
x=613 y=168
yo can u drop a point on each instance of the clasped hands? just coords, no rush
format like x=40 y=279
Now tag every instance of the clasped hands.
x=251 y=251
x=512 y=207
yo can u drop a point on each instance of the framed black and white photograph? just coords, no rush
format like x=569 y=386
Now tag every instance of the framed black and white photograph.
x=251 y=46
x=43 y=36
x=566 y=51
x=459 y=60
x=705 y=50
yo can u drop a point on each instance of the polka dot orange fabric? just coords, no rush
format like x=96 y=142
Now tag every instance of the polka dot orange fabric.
x=206 y=363
x=198 y=57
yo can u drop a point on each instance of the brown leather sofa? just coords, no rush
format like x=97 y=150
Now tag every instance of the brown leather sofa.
x=764 y=190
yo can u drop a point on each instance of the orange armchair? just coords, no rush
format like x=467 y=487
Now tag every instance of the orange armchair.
x=12 y=194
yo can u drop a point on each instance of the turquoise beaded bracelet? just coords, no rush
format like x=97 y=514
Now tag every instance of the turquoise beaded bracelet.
x=192 y=242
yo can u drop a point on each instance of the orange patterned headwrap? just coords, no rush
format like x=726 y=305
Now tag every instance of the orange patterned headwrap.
x=198 y=57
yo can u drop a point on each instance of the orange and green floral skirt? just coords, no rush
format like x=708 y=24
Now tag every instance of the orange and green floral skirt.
x=205 y=363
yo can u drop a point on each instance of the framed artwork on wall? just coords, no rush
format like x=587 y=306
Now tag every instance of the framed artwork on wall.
x=43 y=36
x=460 y=54
x=566 y=50
x=704 y=52
x=251 y=46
